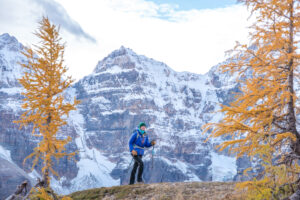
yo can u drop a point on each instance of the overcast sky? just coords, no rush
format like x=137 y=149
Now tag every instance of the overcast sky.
x=188 y=35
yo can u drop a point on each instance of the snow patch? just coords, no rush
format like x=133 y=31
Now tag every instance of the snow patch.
x=116 y=69
x=34 y=175
x=94 y=168
x=5 y=154
x=12 y=90
x=183 y=167
x=113 y=112
x=223 y=167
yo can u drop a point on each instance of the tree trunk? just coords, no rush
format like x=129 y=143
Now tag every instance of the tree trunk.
x=45 y=178
x=291 y=109
x=46 y=172
x=291 y=104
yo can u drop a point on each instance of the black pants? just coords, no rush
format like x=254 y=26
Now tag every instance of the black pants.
x=137 y=163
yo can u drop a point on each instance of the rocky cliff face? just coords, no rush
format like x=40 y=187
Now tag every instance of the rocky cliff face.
x=124 y=89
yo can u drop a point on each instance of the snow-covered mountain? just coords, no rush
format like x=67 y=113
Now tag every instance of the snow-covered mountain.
x=124 y=89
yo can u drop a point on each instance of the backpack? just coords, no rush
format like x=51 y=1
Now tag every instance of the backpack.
x=137 y=136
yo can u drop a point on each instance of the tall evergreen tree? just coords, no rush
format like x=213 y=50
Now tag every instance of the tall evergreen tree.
x=262 y=120
x=45 y=107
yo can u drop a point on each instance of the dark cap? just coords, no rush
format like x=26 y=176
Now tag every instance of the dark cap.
x=142 y=124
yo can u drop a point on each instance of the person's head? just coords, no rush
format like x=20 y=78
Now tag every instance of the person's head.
x=142 y=127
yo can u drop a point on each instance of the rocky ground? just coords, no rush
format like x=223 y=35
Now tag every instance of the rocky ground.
x=164 y=191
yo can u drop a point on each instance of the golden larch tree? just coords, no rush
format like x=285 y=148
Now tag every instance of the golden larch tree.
x=45 y=107
x=262 y=119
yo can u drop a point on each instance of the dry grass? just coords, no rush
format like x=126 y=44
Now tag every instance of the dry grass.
x=164 y=191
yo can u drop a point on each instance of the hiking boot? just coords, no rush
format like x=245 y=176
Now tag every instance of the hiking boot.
x=140 y=182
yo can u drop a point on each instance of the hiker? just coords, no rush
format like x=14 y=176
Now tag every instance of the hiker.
x=138 y=141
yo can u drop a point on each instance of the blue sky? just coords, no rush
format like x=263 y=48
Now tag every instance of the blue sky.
x=197 y=4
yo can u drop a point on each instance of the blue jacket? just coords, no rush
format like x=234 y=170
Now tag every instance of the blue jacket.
x=138 y=141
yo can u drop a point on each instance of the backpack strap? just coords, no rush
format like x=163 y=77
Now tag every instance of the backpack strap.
x=137 y=136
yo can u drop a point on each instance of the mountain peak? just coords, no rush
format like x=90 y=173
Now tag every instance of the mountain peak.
x=121 y=51
x=10 y=41
x=10 y=57
x=123 y=57
x=126 y=59
x=6 y=38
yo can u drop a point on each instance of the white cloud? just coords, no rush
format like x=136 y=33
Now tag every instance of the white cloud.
x=192 y=40
x=58 y=15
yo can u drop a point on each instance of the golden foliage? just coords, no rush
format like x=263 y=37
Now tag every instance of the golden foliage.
x=41 y=193
x=45 y=107
x=262 y=118
x=66 y=198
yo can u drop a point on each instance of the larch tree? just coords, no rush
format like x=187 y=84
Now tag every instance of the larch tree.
x=262 y=120
x=44 y=104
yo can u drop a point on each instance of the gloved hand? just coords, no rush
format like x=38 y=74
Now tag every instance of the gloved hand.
x=134 y=153
x=153 y=142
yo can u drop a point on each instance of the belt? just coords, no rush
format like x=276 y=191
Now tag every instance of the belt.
x=136 y=146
